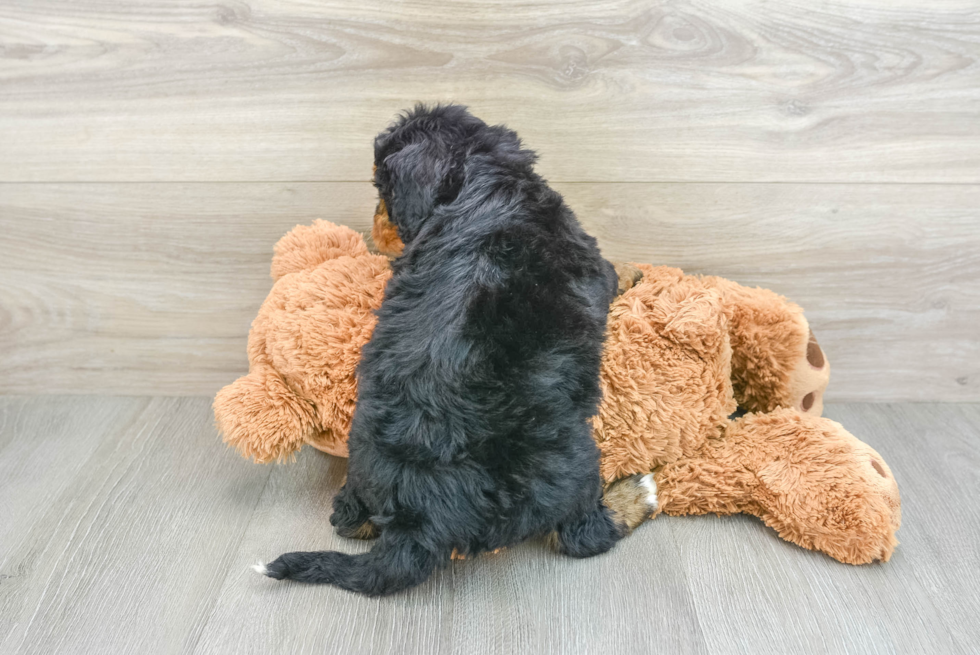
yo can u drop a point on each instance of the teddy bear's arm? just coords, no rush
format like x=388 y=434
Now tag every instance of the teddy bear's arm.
x=262 y=418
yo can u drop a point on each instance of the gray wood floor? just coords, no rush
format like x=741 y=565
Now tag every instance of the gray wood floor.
x=127 y=527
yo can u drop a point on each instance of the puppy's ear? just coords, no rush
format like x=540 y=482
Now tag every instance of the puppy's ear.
x=415 y=180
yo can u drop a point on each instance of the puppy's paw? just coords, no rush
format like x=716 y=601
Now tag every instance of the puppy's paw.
x=627 y=275
x=366 y=530
x=632 y=500
x=350 y=516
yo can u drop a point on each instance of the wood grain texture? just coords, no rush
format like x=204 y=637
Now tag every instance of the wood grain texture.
x=939 y=459
x=128 y=527
x=526 y=600
x=889 y=275
x=150 y=288
x=142 y=287
x=614 y=90
x=124 y=549
x=45 y=446
x=763 y=595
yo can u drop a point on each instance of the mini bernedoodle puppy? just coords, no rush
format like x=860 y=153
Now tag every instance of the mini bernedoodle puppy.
x=472 y=428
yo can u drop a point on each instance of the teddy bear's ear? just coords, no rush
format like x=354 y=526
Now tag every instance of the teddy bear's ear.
x=308 y=246
x=260 y=416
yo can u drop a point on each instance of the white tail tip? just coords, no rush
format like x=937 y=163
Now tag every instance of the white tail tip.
x=259 y=567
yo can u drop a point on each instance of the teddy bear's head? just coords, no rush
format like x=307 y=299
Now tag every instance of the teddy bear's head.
x=304 y=346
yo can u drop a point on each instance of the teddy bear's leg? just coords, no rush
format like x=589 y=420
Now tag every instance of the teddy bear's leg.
x=351 y=516
x=809 y=379
x=806 y=477
x=776 y=360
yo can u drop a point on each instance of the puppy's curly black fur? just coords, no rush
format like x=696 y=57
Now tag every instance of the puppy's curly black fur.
x=472 y=424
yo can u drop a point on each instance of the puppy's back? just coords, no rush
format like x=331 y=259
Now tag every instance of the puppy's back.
x=472 y=425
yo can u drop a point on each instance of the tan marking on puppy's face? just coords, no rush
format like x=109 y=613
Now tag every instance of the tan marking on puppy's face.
x=383 y=231
x=385 y=234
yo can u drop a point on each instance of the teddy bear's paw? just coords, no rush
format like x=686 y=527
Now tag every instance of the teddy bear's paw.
x=627 y=275
x=632 y=500
x=808 y=378
x=835 y=493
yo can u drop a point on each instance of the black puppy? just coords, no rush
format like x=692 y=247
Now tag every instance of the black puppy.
x=474 y=394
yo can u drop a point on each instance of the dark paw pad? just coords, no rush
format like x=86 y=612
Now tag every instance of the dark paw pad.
x=814 y=354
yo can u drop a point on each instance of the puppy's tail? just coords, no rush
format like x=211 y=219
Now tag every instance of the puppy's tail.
x=395 y=563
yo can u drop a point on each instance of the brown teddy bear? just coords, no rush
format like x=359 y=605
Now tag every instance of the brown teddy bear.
x=682 y=354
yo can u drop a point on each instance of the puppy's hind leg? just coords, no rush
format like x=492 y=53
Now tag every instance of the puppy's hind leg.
x=592 y=534
x=351 y=517
x=631 y=500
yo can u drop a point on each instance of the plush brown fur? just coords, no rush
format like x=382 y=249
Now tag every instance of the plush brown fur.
x=770 y=343
x=304 y=346
x=666 y=373
x=681 y=352
x=808 y=478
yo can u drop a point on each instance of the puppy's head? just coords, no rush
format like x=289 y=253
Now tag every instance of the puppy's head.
x=423 y=159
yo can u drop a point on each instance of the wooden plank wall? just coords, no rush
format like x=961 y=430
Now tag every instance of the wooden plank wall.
x=151 y=154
